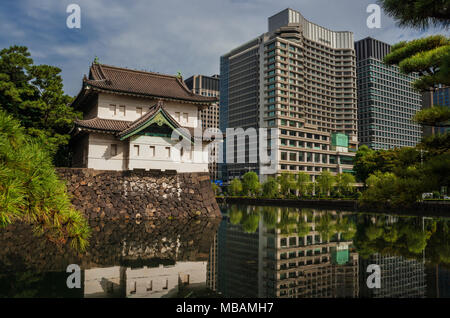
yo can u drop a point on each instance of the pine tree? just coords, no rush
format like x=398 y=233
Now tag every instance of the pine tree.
x=30 y=190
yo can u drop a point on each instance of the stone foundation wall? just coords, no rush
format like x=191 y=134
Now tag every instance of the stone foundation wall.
x=140 y=194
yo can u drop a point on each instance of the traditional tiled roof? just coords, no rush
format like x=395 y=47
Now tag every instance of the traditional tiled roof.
x=121 y=128
x=107 y=125
x=123 y=80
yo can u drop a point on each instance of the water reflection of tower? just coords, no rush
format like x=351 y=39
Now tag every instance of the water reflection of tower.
x=438 y=281
x=237 y=261
x=400 y=277
x=308 y=265
x=211 y=268
x=272 y=263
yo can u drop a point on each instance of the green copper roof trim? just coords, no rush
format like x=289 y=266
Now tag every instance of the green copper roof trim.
x=160 y=119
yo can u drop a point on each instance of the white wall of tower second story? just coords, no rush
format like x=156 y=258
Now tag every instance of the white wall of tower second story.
x=127 y=108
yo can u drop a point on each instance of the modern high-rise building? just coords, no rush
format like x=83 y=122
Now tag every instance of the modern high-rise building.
x=386 y=99
x=299 y=78
x=439 y=96
x=208 y=86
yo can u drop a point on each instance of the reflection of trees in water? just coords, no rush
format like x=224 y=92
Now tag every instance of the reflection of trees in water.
x=404 y=236
x=288 y=221
x=20 y=285
x=438 y=245
x=326 y=227
x=346 y=227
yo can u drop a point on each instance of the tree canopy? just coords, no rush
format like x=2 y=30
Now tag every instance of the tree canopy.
x=325 y=181
x=250 y=183
x=235 y=187
x=33 y=94
x=418 y=13
x=303 y=180
x=270 y=188
x=287 y=183
x=428 y=56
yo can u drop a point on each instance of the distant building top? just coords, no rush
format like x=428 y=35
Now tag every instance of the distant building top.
x=312 y=31
x=370 y=47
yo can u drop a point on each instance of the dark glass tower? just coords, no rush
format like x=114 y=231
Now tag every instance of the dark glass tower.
x=386 y=99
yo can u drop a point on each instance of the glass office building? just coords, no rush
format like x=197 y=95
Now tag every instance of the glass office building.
x=386 y=99
x=299 y=78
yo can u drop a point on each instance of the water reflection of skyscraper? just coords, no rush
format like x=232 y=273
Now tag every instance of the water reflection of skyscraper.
x=297 y=254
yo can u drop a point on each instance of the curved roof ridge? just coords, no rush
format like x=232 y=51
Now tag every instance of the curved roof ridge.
x=98 y=118
x=126 y=69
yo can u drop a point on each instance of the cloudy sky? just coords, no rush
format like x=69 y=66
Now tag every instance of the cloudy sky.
x=165 y=36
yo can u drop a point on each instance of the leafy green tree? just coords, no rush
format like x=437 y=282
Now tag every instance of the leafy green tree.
x=418 y=13
x=287 y=183
x=312 y=188
x=373 y=232
x=270 y=188
x=33 y=94
x=345 y=183
x=427 y=56
x=31 y=191
x=235 y=187
x=364 y=165
x=391 y=234
x=325 y=181
x=430 y=58
x=401 y=190
x=303 y=179
x=215 y=188
x=381 y=186
x=437 y=116
x=435 y=172
x=368 y=161
x=250 y=184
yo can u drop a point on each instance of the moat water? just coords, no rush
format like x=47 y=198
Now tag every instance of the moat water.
x=250 y=252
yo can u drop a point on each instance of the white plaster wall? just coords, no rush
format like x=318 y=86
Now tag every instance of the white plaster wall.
x=191 y=110
x=99 y=155
x=106 y=111
x=194 y=161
